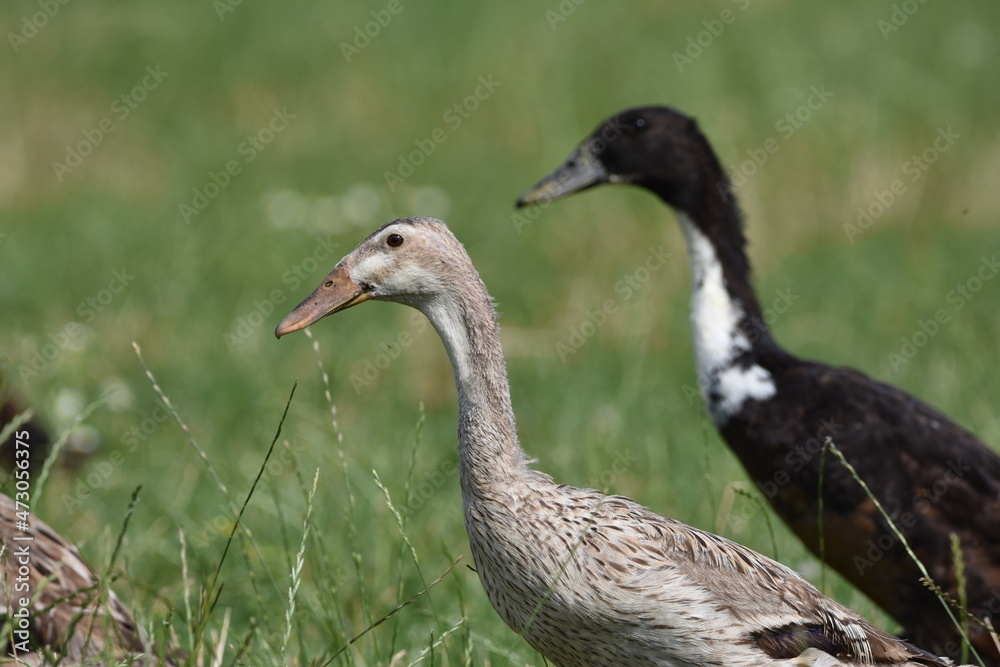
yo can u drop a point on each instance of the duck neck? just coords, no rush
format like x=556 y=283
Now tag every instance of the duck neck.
x=729 y=329
x=488 y=447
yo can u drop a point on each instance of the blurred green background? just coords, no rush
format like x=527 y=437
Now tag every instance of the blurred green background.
x=120 y=121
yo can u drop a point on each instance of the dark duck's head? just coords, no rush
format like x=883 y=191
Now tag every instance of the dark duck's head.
x=654 y=147
x=663 y=150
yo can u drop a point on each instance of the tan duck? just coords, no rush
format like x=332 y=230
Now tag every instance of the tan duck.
x=587 y=579
x=774 y=409
x=72 y=619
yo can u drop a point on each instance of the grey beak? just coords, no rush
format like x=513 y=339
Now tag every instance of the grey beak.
x=580 y=171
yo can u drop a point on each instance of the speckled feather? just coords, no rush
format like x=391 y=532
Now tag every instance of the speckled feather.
x=587 y=579
x=72 y=619
x=622 y=585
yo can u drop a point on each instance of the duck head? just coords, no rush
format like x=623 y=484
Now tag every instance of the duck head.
x=654 y=147
x=396 y=263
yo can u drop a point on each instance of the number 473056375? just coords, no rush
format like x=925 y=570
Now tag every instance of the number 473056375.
x=22 y=453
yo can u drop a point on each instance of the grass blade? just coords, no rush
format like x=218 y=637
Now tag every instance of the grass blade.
x=902 y=539
x=296 y=573
x=393 y=611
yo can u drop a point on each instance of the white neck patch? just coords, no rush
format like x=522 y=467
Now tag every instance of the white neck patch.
x=718 y=339
x=447 y=320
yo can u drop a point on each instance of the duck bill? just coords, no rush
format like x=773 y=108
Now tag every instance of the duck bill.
x=334 y=294
x=581 y=170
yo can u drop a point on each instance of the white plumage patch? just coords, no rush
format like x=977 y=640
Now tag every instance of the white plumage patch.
x=446 y=318
x=372 y=265
x=735 y=385
x=718 y=339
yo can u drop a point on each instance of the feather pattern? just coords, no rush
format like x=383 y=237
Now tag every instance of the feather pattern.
x=73 y=619
x=585 y=578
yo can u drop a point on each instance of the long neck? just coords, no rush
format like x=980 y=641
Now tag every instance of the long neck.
x=729 y=329
x=488 y=448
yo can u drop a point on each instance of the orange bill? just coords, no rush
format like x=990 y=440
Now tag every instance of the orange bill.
x=336 y=293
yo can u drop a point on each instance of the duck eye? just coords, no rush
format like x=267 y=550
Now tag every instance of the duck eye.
x=328 y=283
x=640 y=123
x=394 y=240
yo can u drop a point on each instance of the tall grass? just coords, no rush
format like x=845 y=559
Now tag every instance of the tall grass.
x=203 y=296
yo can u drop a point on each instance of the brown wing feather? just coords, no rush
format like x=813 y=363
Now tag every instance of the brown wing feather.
x=71 y=614
x=934 y=477
x=783 y=613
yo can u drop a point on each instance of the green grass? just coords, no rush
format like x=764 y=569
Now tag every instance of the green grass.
x=621 y=398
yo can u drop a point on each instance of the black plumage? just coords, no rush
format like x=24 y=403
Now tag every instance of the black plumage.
x=933 y=477
x=10 y=407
